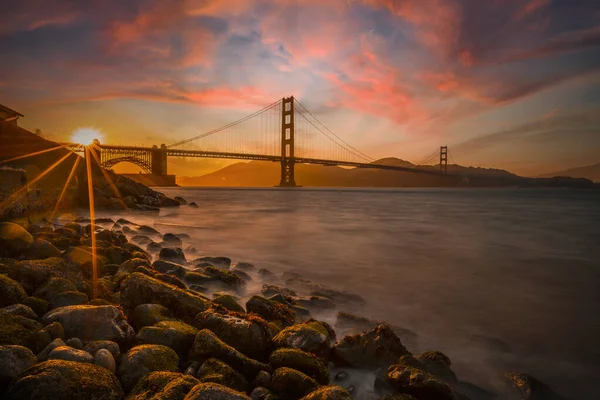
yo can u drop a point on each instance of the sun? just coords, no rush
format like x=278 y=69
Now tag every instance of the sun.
x=86 y=135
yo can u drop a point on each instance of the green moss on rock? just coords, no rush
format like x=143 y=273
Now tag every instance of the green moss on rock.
x=141 y=360
x=301 y=361
x=292 y=384
x=11 y=291
x=160 y=385
x=216 y=371
x=329 y=393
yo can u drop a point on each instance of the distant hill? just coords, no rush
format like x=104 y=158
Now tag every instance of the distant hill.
x=591 y=172
x=267 y=174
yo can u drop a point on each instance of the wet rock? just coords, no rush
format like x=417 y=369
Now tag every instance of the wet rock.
x=141 y=289
x=32 y=273
x=311 y=336
x=147 y=230
x=154 y=247
x=172 y=240
x=39 y=306
x=163 y=386
x=53 y=287
x=216 y=371
x=13 y=361
x=242 y=274
x=228 y=278
x=42 y=338
x=14 y=239
x=207 y=345
x=263 y=378
x=70 y=354
x=418 y=383
x=315 y=302
x=271 y=290
x=96 y=345
x=70 y=298
x=171 y=268
x=214 y=391
x=180 y=199
x=21 y=310
x=338 y=296
x=104 y=358
x=349 y=324
x=292 y=384
x=82 y=257
x=172 y=254
x=245 y=335
x=243 y=266
x=43 y=355
x=219 y=262
x=150 y=314
x=41 y=249
x=262 y=393
x=379 y=347
x=16 y=330
x=300 y=361
x=176 y=335
x=265 y=273
x=78 y=381
x=141 y=360
x=193 y=204
x=198 y=278
x=92 y=323
x=75 y=343
x=129 y=266
x=198 y=288
x=229 y=302
x=328 y=393
x=141 y=239
x=171 y=280
x=11 y=291
x=302 y=314
x=438 y=364
x=116 y=255
x=271 y=310
x=192 y=369
x=530 y=388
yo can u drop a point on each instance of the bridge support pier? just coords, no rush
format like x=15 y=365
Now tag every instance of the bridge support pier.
x=287 y=143
x=159 y=160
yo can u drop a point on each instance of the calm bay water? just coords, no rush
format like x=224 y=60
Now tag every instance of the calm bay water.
x=497 y=279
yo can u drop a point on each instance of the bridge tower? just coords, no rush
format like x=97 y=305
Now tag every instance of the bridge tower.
x=444 y=159
x=159 y=160
x=287 y=143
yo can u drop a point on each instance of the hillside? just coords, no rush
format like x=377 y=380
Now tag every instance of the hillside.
x=591 y=172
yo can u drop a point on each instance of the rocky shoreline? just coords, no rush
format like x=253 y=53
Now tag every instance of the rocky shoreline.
x=161 y=323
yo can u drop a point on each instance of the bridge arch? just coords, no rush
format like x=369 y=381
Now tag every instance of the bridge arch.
x=143 y=164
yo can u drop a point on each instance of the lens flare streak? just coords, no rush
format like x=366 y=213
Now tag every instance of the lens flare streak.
x=62 y=194
x=92 y=222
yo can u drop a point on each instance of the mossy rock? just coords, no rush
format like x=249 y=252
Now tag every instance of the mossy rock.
x=13 y=361
x=117 y=255
x=292 y=384
x=271 y=310
x=332 y=392
x=418 y=383
x=151 y=314
x=170 y=268
x=32 y=274
x=530 y=388
x=216 y=371
x=39 y=340
x=311 y=336
x=14 y=239
x=173 y=280
x=229 y=302
x=227 y=277
x=70 y=298
x=160 y=385
x=41 y=249
x=301 y=361
x=16 y=330
x=68 y=353
x=39 y=306
x=53 y=287
x=141 y=360
x=11 y=291
x=177 y=335
x=65 y=380
x=262 y=393
x=214 y=391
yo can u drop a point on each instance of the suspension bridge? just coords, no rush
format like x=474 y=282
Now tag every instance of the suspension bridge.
x=284 y=132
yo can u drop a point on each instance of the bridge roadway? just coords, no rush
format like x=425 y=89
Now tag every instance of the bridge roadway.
x=258 y=157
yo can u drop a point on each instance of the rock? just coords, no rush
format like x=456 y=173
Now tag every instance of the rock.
x=82 y=257
x=163 y=386
x=96 y=345
x=216 y=371
x=229 y=302
x=219 y=262
x=41 y=249
x=271 y=290
x=70 y=298
x=377 y=348
x=214 y=391
x=263 y=378
x=141 y=239
x=530 y=388
x=116 y=255
x=248 y=336
x=16 y=330
x=192 y=369
x=70 y=354
x=207 y=345
x=141 y=289
x=311 y=336
x=11 y=291
x=328 y=393
x=14 y=239
x=148 y=230
x=315 y=302
x=104 y=358
x=141 y=360
x=193 y=277
x=171 y=280
x=300 y=361
x=262 y=393
x=65 y=380
x=21 y=310
x=180 y=199
x=226 y=277
x=265 y=273
x=13 y=361
x=193 y=204
x=179 y=336
x=93 y=323
x=171 y=268
x=75 y=343
x=438 y=364
x=172 y=240
x=399 y=396
x=151 y=314
x=43 y=354
x=243 y=266
x=42 y=338
x=128 y=267
x=292 y=384
x=39 y=306
x=174 y=255
x=154 y=247
x=418 y=383
x=271 y=310
x=242 y=274
x=349 y=324
x=53 y=287
x=341 y=297
x=33 y=273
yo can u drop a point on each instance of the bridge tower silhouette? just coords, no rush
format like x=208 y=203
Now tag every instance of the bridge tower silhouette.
x=287 y=143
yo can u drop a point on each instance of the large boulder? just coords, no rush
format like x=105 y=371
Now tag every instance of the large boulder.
x=13 y=361
x=328 y=393
x=14 y=239
x=377 y=348
x=227 y=278
x=177 y=335
x=90 y=323
x=142 y=289
x=207 y=345
x=229 y=302
x=350 y=324
x=214 y=391
x=65 y=380
x=150 y=314
x=139 y=361
x=292 y=384
x=22 y=310
x=271 y=310
x=311 y=336
x=43 y=249
x=171 y=268
x=249 y=336
x=33 y=273
x=50 y=290
x=530 y=388
x=301 y=361
x=160 y=385
x=418 y=383
x=17 y=330
x=11 y=291
x=216 y=371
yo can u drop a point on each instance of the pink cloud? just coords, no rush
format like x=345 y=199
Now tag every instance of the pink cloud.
x=531 y=7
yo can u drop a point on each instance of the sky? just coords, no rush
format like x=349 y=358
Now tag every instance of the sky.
x=512 y=84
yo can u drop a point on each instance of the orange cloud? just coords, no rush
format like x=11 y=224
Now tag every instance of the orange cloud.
x=531 y=7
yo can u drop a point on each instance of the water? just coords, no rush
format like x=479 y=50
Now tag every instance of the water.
x=520 y=268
